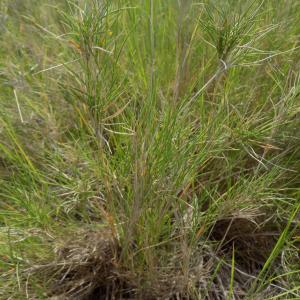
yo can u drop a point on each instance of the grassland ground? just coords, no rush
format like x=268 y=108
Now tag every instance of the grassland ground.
x=149 y=149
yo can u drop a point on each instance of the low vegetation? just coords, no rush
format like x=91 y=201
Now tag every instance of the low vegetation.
x=149 y=149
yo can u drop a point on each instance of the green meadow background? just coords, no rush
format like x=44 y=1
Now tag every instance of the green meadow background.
x=149 y=149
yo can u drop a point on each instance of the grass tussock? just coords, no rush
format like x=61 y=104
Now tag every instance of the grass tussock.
x=86 y=267
x=149 y=149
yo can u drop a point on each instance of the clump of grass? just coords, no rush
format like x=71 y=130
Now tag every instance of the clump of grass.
x=86 y=266
x=149 y=149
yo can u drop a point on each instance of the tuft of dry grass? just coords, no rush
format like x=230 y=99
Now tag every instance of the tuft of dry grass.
x=86 y=267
